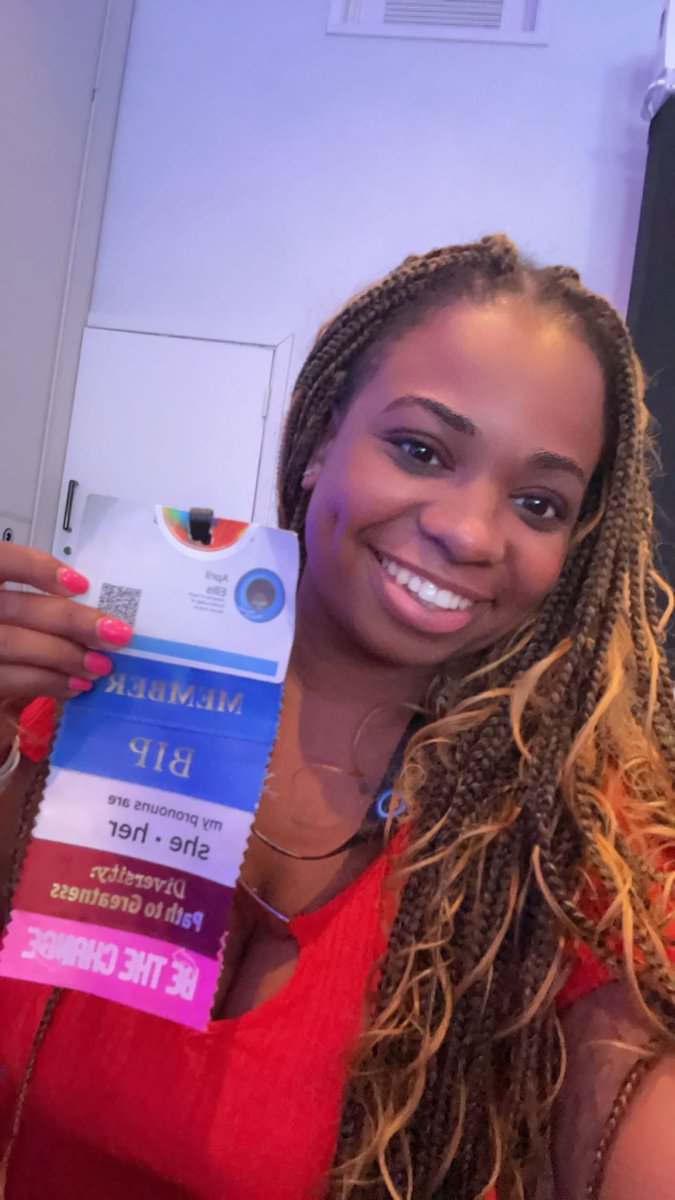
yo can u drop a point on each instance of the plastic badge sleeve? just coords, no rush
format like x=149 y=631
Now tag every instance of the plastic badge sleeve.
x=126 y=886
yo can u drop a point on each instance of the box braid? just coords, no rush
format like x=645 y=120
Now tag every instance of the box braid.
x=452 y=1088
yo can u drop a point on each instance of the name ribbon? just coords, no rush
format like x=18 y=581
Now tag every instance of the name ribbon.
x=125 y=889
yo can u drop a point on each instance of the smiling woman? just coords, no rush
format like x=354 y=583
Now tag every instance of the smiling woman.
x=468 y=822
x=464 y=458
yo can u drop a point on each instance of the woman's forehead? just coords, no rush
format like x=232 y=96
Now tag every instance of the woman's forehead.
x=513 y=368
x=507 y=333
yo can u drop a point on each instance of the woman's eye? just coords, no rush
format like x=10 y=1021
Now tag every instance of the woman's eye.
x=420 y=451
x=543 y=508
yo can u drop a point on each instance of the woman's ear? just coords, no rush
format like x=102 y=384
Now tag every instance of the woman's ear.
x=313 y=468
x=310 y=476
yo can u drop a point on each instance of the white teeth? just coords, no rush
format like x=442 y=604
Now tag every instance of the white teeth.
x=424 y=589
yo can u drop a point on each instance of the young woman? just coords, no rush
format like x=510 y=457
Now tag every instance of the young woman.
x=415 y=999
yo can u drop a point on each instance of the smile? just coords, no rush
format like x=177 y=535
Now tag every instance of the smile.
x=424 y=590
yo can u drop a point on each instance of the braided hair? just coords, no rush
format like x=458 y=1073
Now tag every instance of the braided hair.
x=512 y=828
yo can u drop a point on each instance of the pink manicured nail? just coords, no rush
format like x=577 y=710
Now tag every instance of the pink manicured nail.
x=79 y=685
x=98 y=664
x=117 y=633
x=76 y=583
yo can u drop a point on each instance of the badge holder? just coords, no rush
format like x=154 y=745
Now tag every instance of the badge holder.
x=200 y=522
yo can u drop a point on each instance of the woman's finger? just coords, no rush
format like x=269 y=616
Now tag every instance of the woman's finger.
x=25 y=564
x=22 y=684
x=88 y=627
x=24 y=647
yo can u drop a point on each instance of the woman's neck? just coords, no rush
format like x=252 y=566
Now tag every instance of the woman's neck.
x=343 y=706
x=327 y=664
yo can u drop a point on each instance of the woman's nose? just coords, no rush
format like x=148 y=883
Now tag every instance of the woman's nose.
x=466 y=522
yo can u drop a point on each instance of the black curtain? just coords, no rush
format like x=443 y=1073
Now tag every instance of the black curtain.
x=651 y=314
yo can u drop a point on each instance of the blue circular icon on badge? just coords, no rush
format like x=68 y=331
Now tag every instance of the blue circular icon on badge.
x=260 y=595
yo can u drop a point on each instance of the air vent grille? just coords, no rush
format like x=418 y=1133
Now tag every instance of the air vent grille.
x=526 y=22
x=474 y=14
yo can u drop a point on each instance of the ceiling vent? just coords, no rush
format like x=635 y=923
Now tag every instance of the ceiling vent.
x=521 y=21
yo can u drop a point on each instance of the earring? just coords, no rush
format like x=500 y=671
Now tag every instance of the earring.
x=309 y=476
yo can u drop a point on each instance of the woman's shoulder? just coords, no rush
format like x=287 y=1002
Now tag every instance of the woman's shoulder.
x=614 y=1112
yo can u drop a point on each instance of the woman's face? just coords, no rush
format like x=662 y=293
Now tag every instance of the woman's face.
x=443 y=504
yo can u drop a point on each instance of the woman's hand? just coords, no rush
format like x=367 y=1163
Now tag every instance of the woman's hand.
x=49 y=646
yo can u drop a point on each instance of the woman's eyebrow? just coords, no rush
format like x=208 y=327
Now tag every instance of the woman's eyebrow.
x=454 y=419
x=546 y=460
x=541 y=460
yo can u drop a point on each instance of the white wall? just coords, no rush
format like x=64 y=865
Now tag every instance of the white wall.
x=263 y=170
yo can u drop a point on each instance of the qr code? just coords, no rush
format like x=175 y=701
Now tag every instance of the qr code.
x=121 y=602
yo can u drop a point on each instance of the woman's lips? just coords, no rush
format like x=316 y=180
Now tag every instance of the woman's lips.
x=418 y=601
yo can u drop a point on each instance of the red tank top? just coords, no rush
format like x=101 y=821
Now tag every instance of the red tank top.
x=126 y=1106
x=123 y=1105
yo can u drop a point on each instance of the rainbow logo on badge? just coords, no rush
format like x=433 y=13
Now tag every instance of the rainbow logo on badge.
x=224 y=534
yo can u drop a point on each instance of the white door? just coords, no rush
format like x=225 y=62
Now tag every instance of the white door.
x=61 y=66
x=169 y=420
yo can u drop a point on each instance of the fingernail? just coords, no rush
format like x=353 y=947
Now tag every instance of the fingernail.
x=76 y=583
x=98 y=664
x=117 y=633
x=79 y=685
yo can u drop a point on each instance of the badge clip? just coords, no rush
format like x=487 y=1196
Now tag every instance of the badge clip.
x=200 y=521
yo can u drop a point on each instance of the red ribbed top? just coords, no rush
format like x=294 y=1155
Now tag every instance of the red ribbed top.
x=124 y=1105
